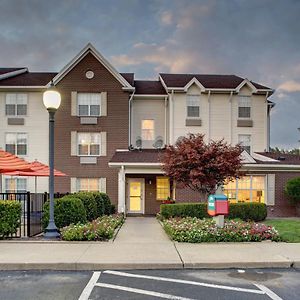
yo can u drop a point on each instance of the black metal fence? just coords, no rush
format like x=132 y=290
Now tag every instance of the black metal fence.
x=32 y=210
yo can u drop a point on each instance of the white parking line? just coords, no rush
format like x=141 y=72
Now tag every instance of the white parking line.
x=268 y=292
x=140 y=291
x=216 y=286
x=89 y=287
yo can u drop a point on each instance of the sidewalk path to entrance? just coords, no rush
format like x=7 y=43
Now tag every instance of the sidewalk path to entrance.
x=142 y=244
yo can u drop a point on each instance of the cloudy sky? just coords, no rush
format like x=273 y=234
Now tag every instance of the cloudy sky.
x=257 y=39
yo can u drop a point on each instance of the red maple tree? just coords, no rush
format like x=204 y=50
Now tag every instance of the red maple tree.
x=202 y=167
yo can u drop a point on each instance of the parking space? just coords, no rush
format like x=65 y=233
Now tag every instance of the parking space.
x=151 y=284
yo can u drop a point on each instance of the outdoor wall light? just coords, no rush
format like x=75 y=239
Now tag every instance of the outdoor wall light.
x=51 y=100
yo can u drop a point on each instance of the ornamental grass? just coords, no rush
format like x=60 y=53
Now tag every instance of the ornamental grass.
x=100 y=229
x=194 y=230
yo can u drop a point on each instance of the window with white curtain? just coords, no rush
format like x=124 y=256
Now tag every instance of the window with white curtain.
x=245 y=141
x=244 y=107
x=15 y=185
x=148 y=130
x=88 y=184
x=16 y=143
x=89 y=104
x=193 y=106
x=89 y=143
x=16 y=104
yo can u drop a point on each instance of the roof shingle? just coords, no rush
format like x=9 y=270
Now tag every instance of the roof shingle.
x=28 y=79
x=148 y=87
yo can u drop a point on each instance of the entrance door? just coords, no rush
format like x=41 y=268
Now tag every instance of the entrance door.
x=135 y=202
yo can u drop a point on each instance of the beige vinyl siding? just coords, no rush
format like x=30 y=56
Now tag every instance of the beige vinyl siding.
x=36 y=126
x=152 y=109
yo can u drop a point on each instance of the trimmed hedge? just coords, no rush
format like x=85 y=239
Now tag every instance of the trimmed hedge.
x=248 y=211
x=197 y=210
x=104 y=206
x=245 y=211
x=67 y=210
x=89 y=203
x=10 y=217
x=292 y=190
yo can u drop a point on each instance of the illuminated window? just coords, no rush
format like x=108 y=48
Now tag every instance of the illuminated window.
x=246 y=189
x=16 y=143
x=16 y=104
x=244 y=107
x=89 y=104
x=193 y=106
x=148 y=130
x=162 y=188
x=88 y=184
x=15 y=185
x=89 y=144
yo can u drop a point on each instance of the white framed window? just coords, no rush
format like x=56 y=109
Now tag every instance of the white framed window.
x=246 y=189
x=16 y=143
x=15 y=185
x=16 y=104
x=244 y=110
x=88 y=184
x=89 y=104
x=148 y=130
x=89 y=143
x=193 y=106
x=245 y=141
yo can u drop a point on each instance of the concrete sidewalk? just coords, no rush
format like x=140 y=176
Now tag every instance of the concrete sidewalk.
x=142 y=244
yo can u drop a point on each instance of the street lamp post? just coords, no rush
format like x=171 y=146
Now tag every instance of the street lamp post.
x=51 y=100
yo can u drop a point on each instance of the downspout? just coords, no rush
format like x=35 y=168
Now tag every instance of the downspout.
x=129 y=117
x=209 y=118
x=268 y=123
x=166 y=121
x=171 y=135
x=230 y=101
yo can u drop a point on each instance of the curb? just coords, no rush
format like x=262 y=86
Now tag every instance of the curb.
x=145 y=266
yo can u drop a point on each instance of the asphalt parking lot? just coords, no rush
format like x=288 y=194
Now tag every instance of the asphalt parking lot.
x=151 y=284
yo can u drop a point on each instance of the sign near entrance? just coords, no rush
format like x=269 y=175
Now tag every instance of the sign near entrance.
x=211 y=208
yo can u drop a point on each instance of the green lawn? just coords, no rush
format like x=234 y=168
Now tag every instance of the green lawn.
x=289 y=230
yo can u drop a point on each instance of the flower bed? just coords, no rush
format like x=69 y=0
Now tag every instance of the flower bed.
x=100 y=229
x=193 y=230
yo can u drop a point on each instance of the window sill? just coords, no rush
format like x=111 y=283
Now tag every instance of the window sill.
x=15 y=121
x=193 y=122
x=244 y=123
x=88 y=160
x=88 y=120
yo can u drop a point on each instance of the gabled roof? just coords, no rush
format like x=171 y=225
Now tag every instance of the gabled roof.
x=32 y=79
x=210 y=82
x=89 y=48
x=148 y=87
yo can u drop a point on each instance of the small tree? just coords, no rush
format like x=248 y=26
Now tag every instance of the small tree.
x=202 y=167
x=292 y=190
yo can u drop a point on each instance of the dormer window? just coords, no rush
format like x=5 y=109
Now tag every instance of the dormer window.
x=244 y=111
x=193 y=106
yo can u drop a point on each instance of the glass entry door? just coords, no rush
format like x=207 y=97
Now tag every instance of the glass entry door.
x=135 y=195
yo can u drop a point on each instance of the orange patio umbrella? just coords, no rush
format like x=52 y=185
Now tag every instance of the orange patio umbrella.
x=11 y=163
x=38 y=169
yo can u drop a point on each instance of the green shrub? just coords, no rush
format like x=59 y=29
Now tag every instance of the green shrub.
x=198 y=210
x=248 y=211
x=245 y=211
x=100 y=204
x=10 y=217
x=292 y=190
x=100 y=229
x=89 y=203
x=107 y=204
x=67 y=210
